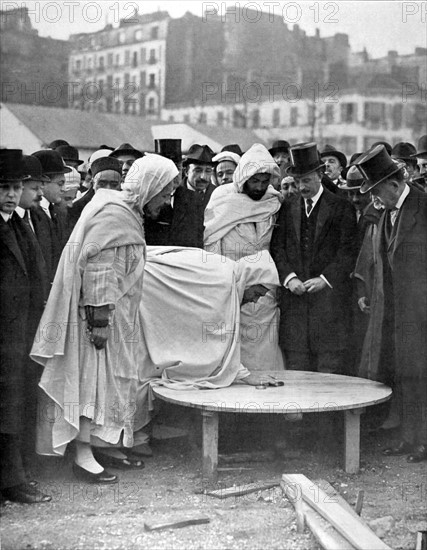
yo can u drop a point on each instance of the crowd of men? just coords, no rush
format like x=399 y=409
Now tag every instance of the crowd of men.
x=348 y=238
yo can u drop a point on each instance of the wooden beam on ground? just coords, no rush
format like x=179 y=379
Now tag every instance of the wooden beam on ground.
x=323 y=532
x=353 y=529
x=334 y=496
x=174 y=522
x=241 y=490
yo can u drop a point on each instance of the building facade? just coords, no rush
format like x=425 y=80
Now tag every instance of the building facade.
x=121 y=70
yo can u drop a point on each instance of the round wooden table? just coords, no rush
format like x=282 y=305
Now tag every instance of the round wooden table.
x=303 y=392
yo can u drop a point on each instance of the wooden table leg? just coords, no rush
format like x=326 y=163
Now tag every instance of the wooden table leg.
x=352 y=440
x=210 y=445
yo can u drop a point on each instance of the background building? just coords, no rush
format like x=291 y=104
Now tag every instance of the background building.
x=33 y=69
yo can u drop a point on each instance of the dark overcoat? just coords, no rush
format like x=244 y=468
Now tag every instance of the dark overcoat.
x=404 y=258
x=317 y=322
x=23 y=291
x=188 y=217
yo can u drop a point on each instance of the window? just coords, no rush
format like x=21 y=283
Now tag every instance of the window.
x=154 y=33
x=110 y=60
x=127 y=57
x=122 y=37
x=202 y=118
x=151 y=106
x=276 y=118
x=397 y=115
x=348 y=113
x=101 y=63
x=294 y=116
x=329 y=114
x=255 y=118
x=374 y=114
x=220 y=118
x=138 y=34
x=152 y=56
x=186 y=118
x=152 y=81
x=142 y=79
x=171 y=118
x=78 y=64
x=135 y=59
x=311 y=115
x=118 y=60
x=142 y=55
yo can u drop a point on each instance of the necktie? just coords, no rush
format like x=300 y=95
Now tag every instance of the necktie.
x=309 y=206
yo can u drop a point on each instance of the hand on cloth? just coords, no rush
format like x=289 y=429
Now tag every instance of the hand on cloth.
x=254 y=293
x=314 y=285
x=98 y=318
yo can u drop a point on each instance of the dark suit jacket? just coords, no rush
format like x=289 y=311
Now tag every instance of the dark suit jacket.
x=51 y=237
x=187 y=226
x=22 y=296
x=318 y=322
x=405 y=257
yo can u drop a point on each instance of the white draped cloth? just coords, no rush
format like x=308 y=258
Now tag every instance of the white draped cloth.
x=240 y=228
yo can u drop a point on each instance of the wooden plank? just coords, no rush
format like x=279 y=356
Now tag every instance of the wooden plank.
x=241 y=490
x=334 y=496
x=352 y=528
x=323 y=532
x=174 y=522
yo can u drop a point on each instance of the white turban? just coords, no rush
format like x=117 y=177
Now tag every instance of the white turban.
x=72 y=179
x=257 y=160
x=146 y=178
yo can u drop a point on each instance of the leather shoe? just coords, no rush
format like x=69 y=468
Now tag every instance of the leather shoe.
x=402 y=448
x=88 y=477
x=418 y=455
x=25 y=494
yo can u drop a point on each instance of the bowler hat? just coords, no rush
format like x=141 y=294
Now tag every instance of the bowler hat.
x=422 y=148
x=12 y=165
x=331 y=151
x=233 y=148
x=345 y=170
x=354 y=179
x=126 y=149
x=386 y=144
x=199 y=154
x=51 y=162
x=105 y=163
x=375 y=166
x=69 y=153
x=279 y=145
x=304 y=158
x=57 y=143
x=33 y=168
x=169 y=148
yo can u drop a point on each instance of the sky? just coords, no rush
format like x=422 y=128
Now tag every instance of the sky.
x=378 y=26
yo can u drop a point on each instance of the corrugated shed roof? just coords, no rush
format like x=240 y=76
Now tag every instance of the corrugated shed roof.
x=88 y=130
x=84 y=129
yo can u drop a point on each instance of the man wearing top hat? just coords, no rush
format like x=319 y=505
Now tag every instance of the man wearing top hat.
x=314 y=250
x=49 y=221
x=396 y=341
x=192 y=197
x=70 y=155
x=21 y=301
